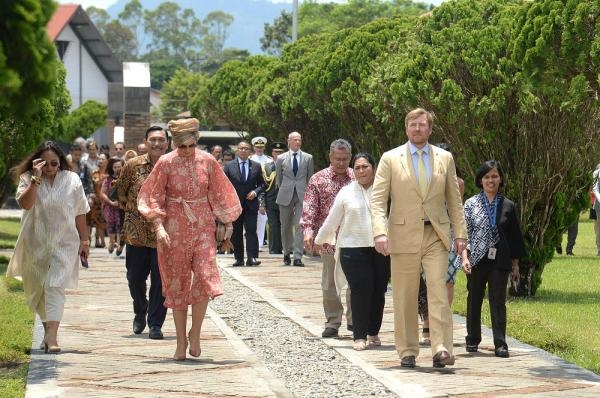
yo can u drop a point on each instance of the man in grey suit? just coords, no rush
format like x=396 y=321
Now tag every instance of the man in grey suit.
x=293 y=169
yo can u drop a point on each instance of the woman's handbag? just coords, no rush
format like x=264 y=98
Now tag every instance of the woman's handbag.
x=220 y=232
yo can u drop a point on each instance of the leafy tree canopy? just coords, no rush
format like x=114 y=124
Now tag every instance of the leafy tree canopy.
x=86 y=119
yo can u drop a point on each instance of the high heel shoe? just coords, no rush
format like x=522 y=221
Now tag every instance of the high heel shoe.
x=51 y=349
x=194 y=354
x=181 y=357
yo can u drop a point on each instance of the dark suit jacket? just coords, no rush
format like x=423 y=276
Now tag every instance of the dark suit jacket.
x=254 y=182
x=511 y=244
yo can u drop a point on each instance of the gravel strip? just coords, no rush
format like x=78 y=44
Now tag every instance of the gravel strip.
x=308 y=367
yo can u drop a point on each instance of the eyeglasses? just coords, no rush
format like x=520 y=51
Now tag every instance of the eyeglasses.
x=243 y=148
x=53 y=163
x=186 y=146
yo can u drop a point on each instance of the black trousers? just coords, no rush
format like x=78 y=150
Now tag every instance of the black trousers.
x=274 y=229
x=368 y=273
x=140 y=262
x=486 y=273
x=247 y=221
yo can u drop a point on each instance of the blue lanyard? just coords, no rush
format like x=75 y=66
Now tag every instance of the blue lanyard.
x=491 y=215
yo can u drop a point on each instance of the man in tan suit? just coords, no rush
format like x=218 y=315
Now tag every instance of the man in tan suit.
x=419 y=180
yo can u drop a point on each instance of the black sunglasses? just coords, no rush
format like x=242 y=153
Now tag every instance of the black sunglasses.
x=53 y=163
x=186 y=146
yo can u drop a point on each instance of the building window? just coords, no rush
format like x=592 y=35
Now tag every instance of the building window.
x=61 y=46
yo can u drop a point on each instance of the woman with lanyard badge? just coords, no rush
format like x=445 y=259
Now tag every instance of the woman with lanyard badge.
x=494 y=248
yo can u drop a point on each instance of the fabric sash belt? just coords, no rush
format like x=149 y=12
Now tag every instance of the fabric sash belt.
x=186 y=207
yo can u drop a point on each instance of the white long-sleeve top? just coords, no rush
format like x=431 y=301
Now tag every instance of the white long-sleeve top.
x=351 y=215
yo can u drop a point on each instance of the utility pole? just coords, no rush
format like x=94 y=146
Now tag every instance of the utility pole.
x=295 y=21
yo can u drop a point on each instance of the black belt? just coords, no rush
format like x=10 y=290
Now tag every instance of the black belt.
x=427 y=222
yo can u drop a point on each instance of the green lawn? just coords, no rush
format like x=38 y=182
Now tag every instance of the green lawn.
x=16 y=325
x=9 y=231
x=16 y=322
x=563 y=317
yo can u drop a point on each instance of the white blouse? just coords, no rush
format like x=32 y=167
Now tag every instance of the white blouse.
x=47 y=248
x=351 y=215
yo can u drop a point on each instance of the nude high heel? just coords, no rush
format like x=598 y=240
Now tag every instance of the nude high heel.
x=194 y=354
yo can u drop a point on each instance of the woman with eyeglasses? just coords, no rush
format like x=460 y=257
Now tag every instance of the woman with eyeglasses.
x=53 y=235
x=183 y=195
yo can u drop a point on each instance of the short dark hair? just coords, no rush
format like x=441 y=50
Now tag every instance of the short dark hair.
x=363 y=155
x=485 y=168
x=155 y=128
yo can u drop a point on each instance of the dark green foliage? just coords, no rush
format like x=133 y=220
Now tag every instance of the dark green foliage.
x=509 y=80
x=86 y=119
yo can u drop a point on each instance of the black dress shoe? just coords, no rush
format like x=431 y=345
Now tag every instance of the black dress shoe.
x=408 y=362
x=501 y=352
x=442 y=358
x=238 y=263
x=252 y=262
x=329 y=332
x=287 y=260
x=155 y=333
x=472 y=347
x=139 y=323
x=298 y=263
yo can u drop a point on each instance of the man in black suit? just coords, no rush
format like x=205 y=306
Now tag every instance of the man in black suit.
x=246 y=177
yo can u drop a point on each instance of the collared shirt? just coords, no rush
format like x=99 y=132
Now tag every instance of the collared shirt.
x=138 y=230
x=321 y=190
x=415 y=159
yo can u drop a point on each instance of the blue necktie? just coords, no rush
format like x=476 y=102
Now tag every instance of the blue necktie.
x=295 y=164
x=244 y=171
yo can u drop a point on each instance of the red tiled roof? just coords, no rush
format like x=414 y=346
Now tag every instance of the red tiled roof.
x=60 y=19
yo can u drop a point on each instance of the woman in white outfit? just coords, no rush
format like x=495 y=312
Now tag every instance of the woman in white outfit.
x=53 y=235
x=367 y=271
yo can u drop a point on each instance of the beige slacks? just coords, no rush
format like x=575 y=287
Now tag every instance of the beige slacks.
x=332 y=302
x=405 y=270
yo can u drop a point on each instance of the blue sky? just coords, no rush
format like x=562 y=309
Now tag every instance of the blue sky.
x=107 y=3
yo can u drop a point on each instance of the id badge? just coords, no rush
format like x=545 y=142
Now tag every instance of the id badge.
x=492 y=253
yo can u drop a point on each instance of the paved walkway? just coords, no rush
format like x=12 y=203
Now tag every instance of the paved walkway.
x=101 y=357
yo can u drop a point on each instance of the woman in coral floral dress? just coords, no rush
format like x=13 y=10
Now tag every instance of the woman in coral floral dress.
x=182 y=196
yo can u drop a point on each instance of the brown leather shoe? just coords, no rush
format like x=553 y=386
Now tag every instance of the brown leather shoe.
x=408 y=362
x=442 y=358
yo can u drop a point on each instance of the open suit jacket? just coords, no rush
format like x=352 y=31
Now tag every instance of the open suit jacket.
x=442 y=205
x=287 y=181
x=254 y=182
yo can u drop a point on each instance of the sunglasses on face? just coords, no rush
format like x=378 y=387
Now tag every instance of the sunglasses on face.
x=187 y=146
x=52 y=163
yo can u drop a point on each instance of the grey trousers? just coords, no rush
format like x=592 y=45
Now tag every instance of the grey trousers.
x=291 y=235
x=332 y=302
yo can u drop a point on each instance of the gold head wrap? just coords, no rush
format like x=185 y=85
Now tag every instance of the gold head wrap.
x=184 y=130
